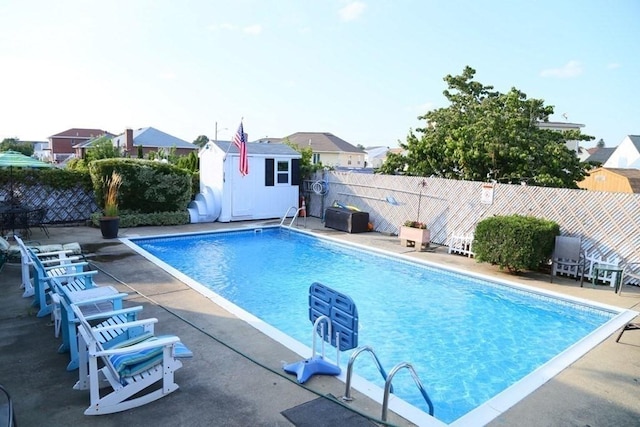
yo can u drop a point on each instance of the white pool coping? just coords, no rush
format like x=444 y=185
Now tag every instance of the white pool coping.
x=480 y=415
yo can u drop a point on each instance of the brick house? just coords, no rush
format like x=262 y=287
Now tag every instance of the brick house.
x=61 y=144
x=150 y=139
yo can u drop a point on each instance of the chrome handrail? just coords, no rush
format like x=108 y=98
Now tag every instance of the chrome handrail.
x=387 y=388
x=347 y=394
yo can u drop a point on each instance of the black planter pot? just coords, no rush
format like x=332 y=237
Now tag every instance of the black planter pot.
x=109 y=227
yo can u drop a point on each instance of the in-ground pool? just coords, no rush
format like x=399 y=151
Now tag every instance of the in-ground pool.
x=468 y=338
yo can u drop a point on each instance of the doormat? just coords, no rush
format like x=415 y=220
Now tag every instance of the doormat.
x=325 y=412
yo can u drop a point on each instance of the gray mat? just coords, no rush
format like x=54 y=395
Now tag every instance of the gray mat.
x=325 y=412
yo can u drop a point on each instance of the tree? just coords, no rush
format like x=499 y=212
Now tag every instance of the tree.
x=14 y=144
x=190 y=162
x=307 y=168
x=600 y=143
x=487 y=135
x=201 y=141
x=101 y=148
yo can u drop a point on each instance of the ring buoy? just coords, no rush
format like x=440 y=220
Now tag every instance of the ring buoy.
x=319 y=187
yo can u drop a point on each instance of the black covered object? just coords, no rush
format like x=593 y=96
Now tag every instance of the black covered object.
x=346 y=220
x=325 y=412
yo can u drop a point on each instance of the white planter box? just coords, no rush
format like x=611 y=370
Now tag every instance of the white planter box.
x=414 y=237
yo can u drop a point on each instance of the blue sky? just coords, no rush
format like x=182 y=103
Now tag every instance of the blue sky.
x=362 y=70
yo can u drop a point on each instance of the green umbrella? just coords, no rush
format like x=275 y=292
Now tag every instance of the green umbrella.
x=14 y=159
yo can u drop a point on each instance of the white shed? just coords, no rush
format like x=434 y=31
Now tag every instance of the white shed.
x=269 y=189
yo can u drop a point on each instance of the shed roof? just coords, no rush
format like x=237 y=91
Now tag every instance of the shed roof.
x=258 y=148
x=632 y=175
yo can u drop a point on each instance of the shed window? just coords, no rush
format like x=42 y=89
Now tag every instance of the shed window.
x=282 y=174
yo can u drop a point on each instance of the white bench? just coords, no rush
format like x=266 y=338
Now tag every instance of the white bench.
x=136 y=372
x=607 y=277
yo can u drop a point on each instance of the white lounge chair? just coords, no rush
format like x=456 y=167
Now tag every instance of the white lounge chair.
x=71 y=273
x=630 y=275
x=99 y=302
x=137 y=372
x=65 y=253
x=568 y=258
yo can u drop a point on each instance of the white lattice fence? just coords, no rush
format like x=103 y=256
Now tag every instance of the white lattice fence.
x=609 y=223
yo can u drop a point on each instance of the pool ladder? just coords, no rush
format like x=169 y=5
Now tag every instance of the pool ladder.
x=295 y=216
x=388 y=387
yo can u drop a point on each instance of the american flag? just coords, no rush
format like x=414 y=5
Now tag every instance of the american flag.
x=240 y=141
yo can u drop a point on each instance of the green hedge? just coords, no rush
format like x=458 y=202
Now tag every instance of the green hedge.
x=59 y=179
x=515 y=242
x=147 y=186
x=132 y=219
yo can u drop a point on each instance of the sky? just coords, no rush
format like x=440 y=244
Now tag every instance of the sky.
x=362 y=70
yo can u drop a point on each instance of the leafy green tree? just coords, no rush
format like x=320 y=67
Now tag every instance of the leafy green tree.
x=101 y=148
x=487 y=135
x=13 y=144
x=307 y=168
x=600 y=143
x=201 y=141
x=189 y=162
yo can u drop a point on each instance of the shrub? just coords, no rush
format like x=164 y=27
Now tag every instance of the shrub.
x=57 y=179
x=515 y=242
x=134 y=219
x=147 y=186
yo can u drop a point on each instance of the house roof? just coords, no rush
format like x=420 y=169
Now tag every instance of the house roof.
x=154 y=138
x=559 y=125
x=322 y=142
x=376 y=152
x=258 y=148
x=89 y=143
x=267 y=140
x=601 y=155
x=79 y=133
x=635 y=139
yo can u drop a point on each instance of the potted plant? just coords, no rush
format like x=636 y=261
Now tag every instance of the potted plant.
x=110 y=220
x=415 y=234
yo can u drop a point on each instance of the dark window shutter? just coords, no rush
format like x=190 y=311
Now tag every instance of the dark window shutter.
x=268 y=172
x=295 y=172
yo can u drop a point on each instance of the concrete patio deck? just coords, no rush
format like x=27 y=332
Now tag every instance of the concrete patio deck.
x=235 y=377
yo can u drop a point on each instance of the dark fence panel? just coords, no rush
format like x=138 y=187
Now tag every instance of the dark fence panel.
x=63 y=206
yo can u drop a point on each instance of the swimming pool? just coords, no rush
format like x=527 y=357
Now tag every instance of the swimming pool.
x=468 y=339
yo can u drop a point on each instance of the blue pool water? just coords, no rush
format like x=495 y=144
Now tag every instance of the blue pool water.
x=468 y=339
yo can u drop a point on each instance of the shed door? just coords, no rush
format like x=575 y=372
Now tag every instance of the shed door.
x=242 y=191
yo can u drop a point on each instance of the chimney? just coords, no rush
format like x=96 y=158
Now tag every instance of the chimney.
x=128 y=142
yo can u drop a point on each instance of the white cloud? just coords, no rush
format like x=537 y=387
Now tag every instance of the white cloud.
x=352 y=11
x=613 y=66
x=570 y=69
x=253 y=29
